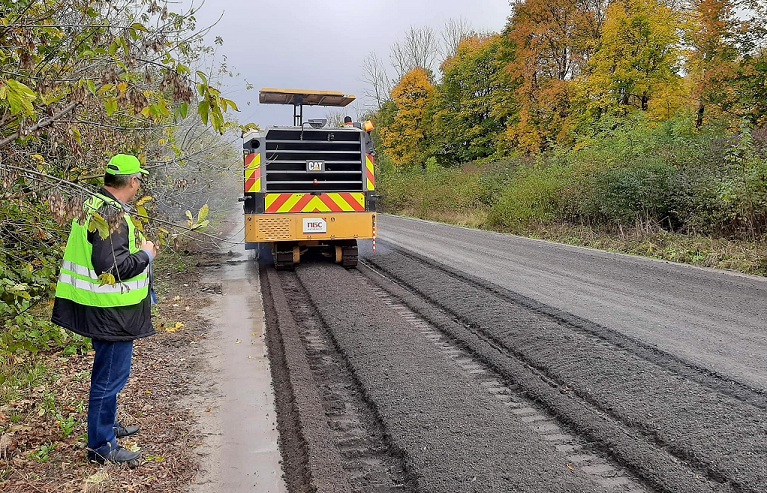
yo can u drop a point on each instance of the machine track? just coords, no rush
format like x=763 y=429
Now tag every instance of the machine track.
x=554 y=433
x=434 y=366
x=352 y=428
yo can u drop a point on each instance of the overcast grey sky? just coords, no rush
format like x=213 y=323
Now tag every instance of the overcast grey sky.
x=322 y=44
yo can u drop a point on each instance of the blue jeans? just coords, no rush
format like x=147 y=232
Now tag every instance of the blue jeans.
x=111 y=369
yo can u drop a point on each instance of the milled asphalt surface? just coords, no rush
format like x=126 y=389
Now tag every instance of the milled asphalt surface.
x=658 y=368
x=456 y=436
x=714 y=319
x=722 y=438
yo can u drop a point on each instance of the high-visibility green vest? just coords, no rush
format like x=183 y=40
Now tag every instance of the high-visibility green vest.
x=78 y=280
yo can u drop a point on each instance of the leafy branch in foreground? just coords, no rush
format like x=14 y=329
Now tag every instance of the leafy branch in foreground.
x=79 y=82
x=117 y=62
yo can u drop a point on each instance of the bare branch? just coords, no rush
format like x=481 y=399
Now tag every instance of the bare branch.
x=419 y=49
x=378 y=81
x=456 y=30
x=41 y=124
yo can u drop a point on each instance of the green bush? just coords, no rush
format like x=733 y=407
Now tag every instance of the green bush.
x=628 y=195
x=533 y=196
x=430 y=193
x=725 y=193
x=29 y=259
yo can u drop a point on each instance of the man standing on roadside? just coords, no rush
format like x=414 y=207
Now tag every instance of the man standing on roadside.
x=112 y=315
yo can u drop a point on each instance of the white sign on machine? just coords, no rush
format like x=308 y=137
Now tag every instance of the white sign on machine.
x=315 y=225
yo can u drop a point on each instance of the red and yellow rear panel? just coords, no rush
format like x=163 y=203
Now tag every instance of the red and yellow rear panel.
x=277 y=203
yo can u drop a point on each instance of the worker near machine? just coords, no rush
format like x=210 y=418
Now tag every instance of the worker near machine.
x=348 y=121
x=368 y=127
x=112 y=315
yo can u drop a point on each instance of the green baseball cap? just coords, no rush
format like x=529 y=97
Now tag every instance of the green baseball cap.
x=125 y=164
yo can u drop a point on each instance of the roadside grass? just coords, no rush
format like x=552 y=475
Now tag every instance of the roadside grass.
x=744 y=256
x=747 y=257
x=612 y=191
x=482 y=197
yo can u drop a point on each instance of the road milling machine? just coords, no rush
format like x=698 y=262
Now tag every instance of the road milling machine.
x=308 y=187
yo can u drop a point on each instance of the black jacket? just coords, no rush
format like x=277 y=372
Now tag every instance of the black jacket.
x=124 y=323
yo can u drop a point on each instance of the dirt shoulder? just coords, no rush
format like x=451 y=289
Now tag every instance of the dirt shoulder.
x=43 y=431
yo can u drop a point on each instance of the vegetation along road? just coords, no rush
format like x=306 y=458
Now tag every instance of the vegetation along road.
x=457 y=360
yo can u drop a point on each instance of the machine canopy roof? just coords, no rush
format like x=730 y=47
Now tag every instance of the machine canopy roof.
x=299 y=97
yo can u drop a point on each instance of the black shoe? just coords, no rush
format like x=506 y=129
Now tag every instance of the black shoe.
x=117 y=455
x=125 y=431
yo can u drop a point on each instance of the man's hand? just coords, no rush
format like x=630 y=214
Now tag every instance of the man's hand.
x=149 y=246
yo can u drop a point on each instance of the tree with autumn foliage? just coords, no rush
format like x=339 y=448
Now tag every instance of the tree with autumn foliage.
x=603 y=112
x=553 y=41
x=463 y=112
x=638 y=58
x=713 y=57
x=404 y=138
x=726 y=59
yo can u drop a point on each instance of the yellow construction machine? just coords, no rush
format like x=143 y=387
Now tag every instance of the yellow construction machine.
x=308 y=186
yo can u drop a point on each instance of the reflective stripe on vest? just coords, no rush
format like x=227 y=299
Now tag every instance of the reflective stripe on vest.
x=78 y=280
x=96 y=288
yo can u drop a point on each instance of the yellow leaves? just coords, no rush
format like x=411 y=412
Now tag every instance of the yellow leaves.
x=139 y=27
x=178 y=326
x=107 y=278
x=228 y=103
x=141 y=217
x=157 y=111
x=202 y=215
x=414 y=86
x=163 y=235
x=144 y=200
x=202 y=219
x=142 y=213
x=98 y=223
x=110 y=105
x=100 y=478
x=138 y=223
x=405 y=137
x=170 y=328
x=639 y=52
x=18 y=96
x=132 y=446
